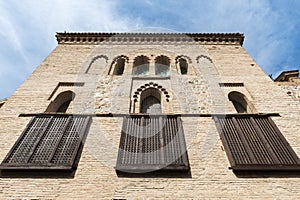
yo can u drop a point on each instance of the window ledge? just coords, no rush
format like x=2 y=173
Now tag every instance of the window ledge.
x=151 y=168
x=150 y=77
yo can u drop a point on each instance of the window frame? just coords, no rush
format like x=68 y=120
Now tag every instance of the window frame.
x=181 y=165
x=73 y=159
x=262 y=132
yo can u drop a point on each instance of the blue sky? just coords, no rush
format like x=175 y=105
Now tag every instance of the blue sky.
x=27 y=28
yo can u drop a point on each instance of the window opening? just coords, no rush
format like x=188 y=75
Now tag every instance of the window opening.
x=151 y=105
x=62 y=102
x=162 y=66
x=151 y=101
x=152 y=143
x=141 y=65
x=255 y=143
x=50 y=142
x=119 y=66
x=183 y=66
x=239 y=102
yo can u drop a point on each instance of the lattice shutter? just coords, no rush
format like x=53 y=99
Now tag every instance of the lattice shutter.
x=255 y=143
x=151 y=143
x=48 y=142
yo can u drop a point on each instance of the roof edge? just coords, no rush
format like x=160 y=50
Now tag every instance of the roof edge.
x=286 y=75
x=148 y=38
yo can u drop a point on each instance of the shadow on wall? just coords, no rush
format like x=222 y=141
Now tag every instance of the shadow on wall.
x=267 y=174
x=61 y=102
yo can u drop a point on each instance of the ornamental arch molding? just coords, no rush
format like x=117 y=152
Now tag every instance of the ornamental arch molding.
x=204 y=57
x=162 y=65
x=141 y=65
x=144 y=91
x=118 y=65
x=183 y=64
x=93 y=68
x=188 y=59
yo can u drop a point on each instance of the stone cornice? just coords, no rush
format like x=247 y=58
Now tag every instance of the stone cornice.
x=150 y=38
x=286 y=75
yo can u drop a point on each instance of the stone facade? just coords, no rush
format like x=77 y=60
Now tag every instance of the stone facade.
x=289 y=81
x=217 y=65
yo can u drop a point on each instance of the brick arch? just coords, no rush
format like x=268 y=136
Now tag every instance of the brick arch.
x=240 y=102
x=183 y=64
x=137 y=94
x=141 y=59
x=141 y=65
x=115 y=60
x=162 y=65
x=205 y=57
x=94 y=59
x=121 y=56
x=184 y=57
x=61 y=102
x=161 y=58
x=150 y=101
x=163 y=93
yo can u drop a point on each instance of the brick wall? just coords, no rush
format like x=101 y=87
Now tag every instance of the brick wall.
x=196 y=92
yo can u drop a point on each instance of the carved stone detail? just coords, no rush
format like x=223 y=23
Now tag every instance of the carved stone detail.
x=150 y=38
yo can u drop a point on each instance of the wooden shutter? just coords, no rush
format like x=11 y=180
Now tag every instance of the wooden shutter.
x=48 y=142
x=255 y=143
x=150 y=143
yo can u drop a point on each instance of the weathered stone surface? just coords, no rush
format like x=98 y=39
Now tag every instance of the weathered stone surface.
x=197 y=92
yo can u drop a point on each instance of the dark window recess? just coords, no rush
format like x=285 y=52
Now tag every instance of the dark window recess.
x=64 y=107
x=255 y=143
x=119 y=67
x=152 y=143
x=240 y=108
x=231 y=84
x=151 y=105
x=183 y=66
x=48 y=142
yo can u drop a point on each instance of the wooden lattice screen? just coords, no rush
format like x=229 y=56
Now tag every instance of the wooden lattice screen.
x=255 y=143
x=48 y=142
x=150 y=143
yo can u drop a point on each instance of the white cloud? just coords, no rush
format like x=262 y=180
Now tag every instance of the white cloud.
x=9 y=33
x=28 y=28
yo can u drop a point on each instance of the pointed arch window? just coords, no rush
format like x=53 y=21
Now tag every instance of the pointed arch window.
x=162 y=66
x=151 y=101
x=151 y=105
x=240 y=102
x=119 y=67
x=64 y=106
x=62 y=102
x=141 y=65
x=183 y=66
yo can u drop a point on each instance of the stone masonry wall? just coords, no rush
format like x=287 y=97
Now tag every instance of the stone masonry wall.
x=197 y=92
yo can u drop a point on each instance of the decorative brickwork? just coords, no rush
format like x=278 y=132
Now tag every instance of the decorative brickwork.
x=144 y=38
x=203 y=70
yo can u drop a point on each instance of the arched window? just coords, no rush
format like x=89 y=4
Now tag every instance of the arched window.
x=119 y=66
x=239 y=102
x=141 y=65
x=61 y=102
x=183 y=66
x=162 y=65
x=151 y=101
